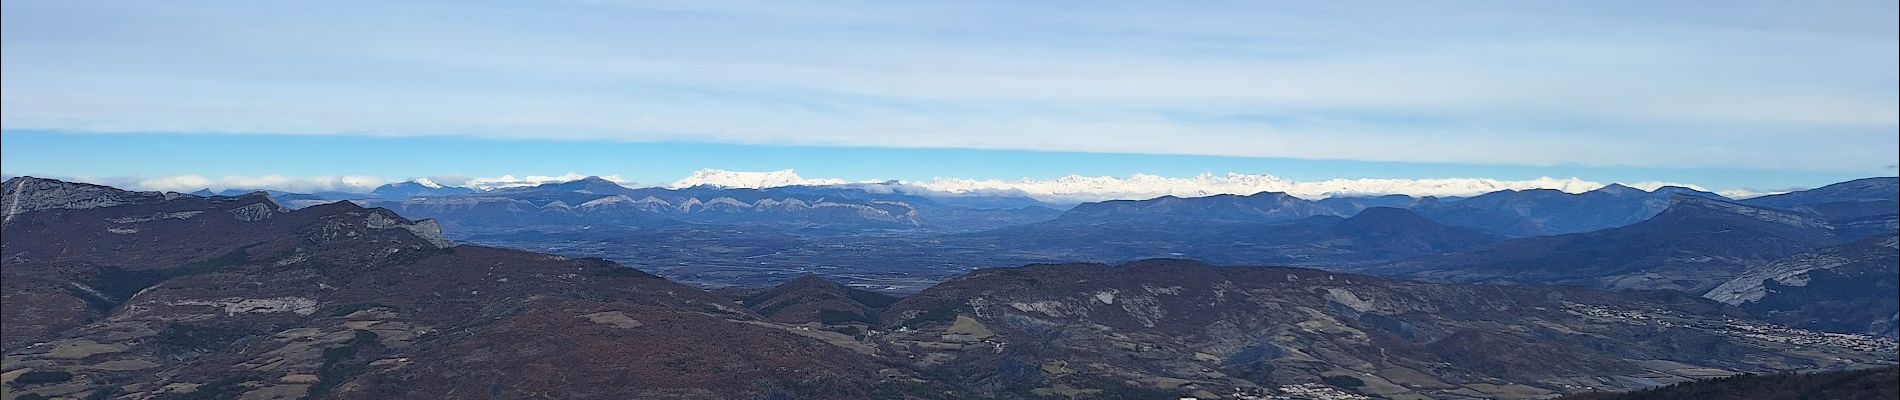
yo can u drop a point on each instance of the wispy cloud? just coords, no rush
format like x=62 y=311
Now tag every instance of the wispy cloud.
x=314 y=184
x=190 y=183
x=1756 y=84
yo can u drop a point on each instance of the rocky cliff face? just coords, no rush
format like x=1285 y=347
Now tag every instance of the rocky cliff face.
x=24 y=194
x=1846 y=288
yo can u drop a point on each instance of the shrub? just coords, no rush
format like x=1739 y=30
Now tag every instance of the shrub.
x=38 y=377
x=838 y=317
x=870 y=298
x=940 y=314
x=342 y=363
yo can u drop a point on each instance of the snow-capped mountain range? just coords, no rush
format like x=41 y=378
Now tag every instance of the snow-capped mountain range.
x=1078 y=189
x=750 y=180
x=1070 y=189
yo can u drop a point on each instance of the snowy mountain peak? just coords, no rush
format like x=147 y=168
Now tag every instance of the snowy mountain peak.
x=510 y=181
x=417 y=187
x=748 y=180
x=1618 y=189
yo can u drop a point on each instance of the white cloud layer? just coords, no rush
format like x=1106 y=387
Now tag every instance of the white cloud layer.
x=191 y=183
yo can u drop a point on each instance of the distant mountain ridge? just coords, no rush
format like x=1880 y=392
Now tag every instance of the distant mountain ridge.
x=1867 y=207
x=1507 y=213
x=1263 y=228
x=1547 y=212
x=1864 y=189
x=597 y=201
x=1230 y=230
x=1694 y=245
x=1512 y=213
x=1259 y=207
x=419 y=187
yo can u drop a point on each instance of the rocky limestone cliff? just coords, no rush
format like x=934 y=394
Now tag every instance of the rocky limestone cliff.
x=26 y=193
x=1846 y=288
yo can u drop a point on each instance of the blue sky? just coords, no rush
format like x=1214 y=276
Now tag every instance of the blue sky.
x=1758 y=95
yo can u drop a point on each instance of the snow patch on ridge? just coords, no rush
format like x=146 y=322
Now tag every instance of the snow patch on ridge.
x=618 y=198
